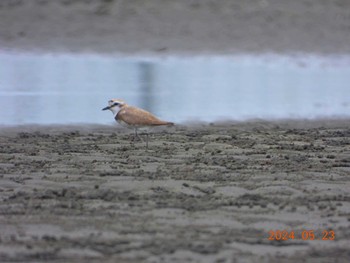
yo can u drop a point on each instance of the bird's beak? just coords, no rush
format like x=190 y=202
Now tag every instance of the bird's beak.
x=107 y=108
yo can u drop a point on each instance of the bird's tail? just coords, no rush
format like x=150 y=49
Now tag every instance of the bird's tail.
x=165 y=123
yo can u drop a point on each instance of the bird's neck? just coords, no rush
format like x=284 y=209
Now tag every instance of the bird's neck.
x=115 y=110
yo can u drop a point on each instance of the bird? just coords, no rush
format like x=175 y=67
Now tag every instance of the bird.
x=133 y=117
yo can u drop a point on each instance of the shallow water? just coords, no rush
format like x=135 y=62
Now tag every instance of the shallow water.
x=73 y=88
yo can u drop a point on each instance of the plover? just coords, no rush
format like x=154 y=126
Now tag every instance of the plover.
x=133 y=117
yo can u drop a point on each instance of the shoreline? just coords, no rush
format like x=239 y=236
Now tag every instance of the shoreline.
x=269 y=57
x=283 y=123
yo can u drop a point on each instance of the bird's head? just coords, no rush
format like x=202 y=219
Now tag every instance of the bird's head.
x=115 y=105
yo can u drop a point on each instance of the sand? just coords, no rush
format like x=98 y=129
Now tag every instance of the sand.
x=200 y=193
x=181 y=26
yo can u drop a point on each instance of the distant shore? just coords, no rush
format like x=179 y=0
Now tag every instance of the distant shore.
x=183 y=27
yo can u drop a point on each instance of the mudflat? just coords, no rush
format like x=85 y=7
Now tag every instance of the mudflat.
x=223 y=192
x=181 y=26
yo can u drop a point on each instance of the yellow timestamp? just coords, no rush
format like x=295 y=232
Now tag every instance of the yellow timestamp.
x=303 y=235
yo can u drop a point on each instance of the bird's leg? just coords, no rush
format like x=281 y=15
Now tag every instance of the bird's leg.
x=136 y=135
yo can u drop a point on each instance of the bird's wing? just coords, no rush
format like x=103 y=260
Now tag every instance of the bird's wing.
x=136 y=116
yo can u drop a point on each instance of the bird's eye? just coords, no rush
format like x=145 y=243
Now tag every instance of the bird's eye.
x=115 y=103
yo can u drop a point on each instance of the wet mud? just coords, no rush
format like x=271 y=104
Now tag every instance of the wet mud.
x=200 y=193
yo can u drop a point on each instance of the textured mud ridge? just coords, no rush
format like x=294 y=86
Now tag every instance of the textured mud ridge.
x=209 y=193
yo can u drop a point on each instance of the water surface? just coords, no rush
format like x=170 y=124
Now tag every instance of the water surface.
x=73 y=88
